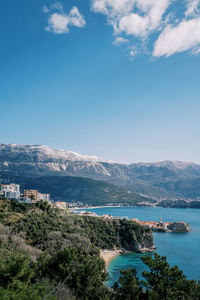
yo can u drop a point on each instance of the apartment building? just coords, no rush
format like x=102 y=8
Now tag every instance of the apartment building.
x=34 y=195
x=10 y=191
x=45 y=197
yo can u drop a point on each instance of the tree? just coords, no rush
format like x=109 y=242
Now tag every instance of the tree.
x=15 y=270
x=17 y=278
x=43 y=205
x=128 y=286
x=162 y=283
x=165 y=282
x=32 y=197
x=82 y=273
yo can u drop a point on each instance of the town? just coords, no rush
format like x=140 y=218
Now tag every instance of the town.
x=12 y=192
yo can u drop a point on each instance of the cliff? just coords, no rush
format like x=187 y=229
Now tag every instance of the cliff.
x=135 y=238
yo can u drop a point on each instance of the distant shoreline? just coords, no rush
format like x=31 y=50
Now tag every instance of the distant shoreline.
x=94 y=207
x=123 y=206
x=111 y=206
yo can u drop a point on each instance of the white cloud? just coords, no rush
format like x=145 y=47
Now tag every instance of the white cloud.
x=45 y=9
x=196 y=51
x=59 y=22
x=76 y=19
x=112 y=7
x=135 y=17
x=174 y=39
x=132 y=52
x=119 y=40
x=142 y=18
x=134 y=24
x=57 y=6
x=192 y=8
x=138 y=18
x=154 y=10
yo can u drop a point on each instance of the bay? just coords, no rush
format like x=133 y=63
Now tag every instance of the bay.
x=182 y=249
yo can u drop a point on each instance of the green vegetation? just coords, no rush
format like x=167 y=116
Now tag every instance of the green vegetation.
x=79 y=189
x=76 y=273
x=180 y=204
x=47 y=254
x=51 y=229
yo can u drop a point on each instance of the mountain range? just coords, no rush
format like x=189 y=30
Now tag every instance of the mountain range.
x=166 y=180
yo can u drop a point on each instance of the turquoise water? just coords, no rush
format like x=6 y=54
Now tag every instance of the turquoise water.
x=182 y=249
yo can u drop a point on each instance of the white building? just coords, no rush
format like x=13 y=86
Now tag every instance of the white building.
x=45 y=197
x=10 y=191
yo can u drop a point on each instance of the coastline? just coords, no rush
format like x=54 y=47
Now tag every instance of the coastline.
x=109 y=255
x=93 y=207
x=112 y=206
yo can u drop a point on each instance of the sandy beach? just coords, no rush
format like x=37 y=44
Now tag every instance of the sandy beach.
x=108 y=255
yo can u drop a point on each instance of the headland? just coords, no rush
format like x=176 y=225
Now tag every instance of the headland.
x=165 y=226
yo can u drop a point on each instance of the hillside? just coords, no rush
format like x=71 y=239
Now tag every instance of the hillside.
x=163 y=180
x=47 y=254
x=51 y=229
x=79 y=189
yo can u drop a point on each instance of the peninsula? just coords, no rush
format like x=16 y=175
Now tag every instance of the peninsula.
x=165 y=226
x=153 y=225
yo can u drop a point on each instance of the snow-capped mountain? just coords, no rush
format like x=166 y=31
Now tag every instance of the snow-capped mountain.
x=36 y=160
x=161 y=180
x=44 y=152
x=170 y=164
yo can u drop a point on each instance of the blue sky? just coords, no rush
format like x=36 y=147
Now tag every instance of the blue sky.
x=117 y=79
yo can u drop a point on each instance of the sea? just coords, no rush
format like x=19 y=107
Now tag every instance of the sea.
x=181 y=249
